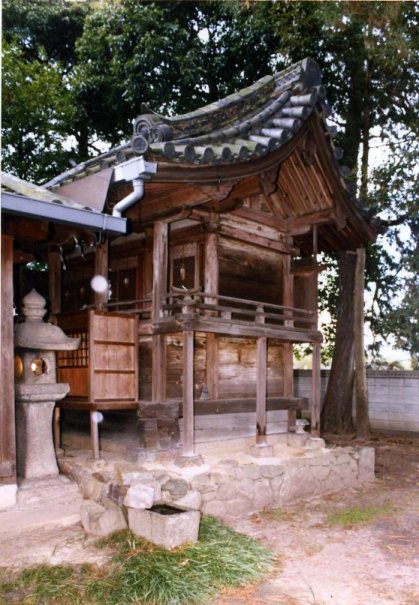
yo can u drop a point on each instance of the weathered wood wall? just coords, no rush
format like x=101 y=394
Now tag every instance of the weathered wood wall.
x=237 y=367
x=250 y=272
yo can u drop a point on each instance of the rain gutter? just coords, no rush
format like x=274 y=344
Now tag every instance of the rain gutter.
x=59 y=213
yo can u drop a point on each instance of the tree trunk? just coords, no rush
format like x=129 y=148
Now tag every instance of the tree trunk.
x=362 y=420
x=82 y=136
x=337 y=408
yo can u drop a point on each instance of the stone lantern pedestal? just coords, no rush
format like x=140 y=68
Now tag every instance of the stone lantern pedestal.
x=36 y=388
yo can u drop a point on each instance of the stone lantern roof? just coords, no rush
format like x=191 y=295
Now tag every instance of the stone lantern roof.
x=34 y=333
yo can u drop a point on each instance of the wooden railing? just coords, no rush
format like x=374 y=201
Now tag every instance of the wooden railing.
x=239 y=310
x=216 y=307
x=140 y=307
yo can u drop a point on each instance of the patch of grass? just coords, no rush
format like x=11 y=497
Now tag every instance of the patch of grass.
x=357 y=514
x=143 y=573
x=276 y=513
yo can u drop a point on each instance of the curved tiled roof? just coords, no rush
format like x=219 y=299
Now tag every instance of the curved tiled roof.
x=248 y=124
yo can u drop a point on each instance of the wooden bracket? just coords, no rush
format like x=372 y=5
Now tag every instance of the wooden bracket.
x=268 y=180
x=308 y=149
x=219 y=191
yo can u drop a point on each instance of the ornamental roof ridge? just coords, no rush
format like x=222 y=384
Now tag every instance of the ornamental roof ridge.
x=245 y=125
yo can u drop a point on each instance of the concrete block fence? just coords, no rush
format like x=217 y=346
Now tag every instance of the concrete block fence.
x=393 y=397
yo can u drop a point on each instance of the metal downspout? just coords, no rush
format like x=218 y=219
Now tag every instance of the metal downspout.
x=130 y=199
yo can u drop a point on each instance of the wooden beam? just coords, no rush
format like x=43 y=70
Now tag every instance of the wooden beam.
x=261 y=369
x=22 y=227
x=257 y=240
x=54 y=265
x=102 y=268
x=230 y=327
x=299 y=225
x=315 y=391
x=262 y=217
x=160 y=265
x=245 y=405
x=7 y=390
x=188 y=399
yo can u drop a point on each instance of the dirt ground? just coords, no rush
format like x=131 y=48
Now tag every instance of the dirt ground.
x=318 y=562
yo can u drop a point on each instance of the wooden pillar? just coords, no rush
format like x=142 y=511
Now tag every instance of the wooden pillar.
x=188 y=398
x=288 y=301
x=158 y=367
x=94 y=435
x=160 y=265
x=211 y=286
x=7 y=391
x=54 y=266
x=316 y=385
x=147 y=268
x=261 y=369
x=102 y=268
x=212 y=364
x=315 y=391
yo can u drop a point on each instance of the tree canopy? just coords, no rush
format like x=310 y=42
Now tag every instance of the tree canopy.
x=75 y=74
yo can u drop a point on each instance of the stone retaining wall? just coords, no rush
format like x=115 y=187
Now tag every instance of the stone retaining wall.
x=229 y=487
x=393 y=397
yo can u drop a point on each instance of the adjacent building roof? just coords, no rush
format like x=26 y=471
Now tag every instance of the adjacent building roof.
x=21 y=198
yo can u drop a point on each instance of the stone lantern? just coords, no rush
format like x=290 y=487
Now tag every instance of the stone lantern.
x=36 y=387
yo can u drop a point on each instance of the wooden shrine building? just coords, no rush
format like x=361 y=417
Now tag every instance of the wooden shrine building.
x=34 y=222
x=228 y=206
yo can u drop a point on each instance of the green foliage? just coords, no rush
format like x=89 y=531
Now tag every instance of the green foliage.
x=46 y=31
x=172 y=56
x=358 y=514
x=37 y=266
x=75 y=74
x=142 y=573
x=36 y=113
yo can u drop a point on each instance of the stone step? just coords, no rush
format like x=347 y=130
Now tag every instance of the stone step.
x=42 y=503
x=54 y=513
x=32 y=491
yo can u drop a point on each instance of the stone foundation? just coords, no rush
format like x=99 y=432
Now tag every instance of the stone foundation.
x=158 y=425
x=8 y=495
x=223 y=483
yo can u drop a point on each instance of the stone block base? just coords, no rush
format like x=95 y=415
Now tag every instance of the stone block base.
x=101 y=520
x=164 y=525
x=7 y=495
x=262 y=451
x=158 y=425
